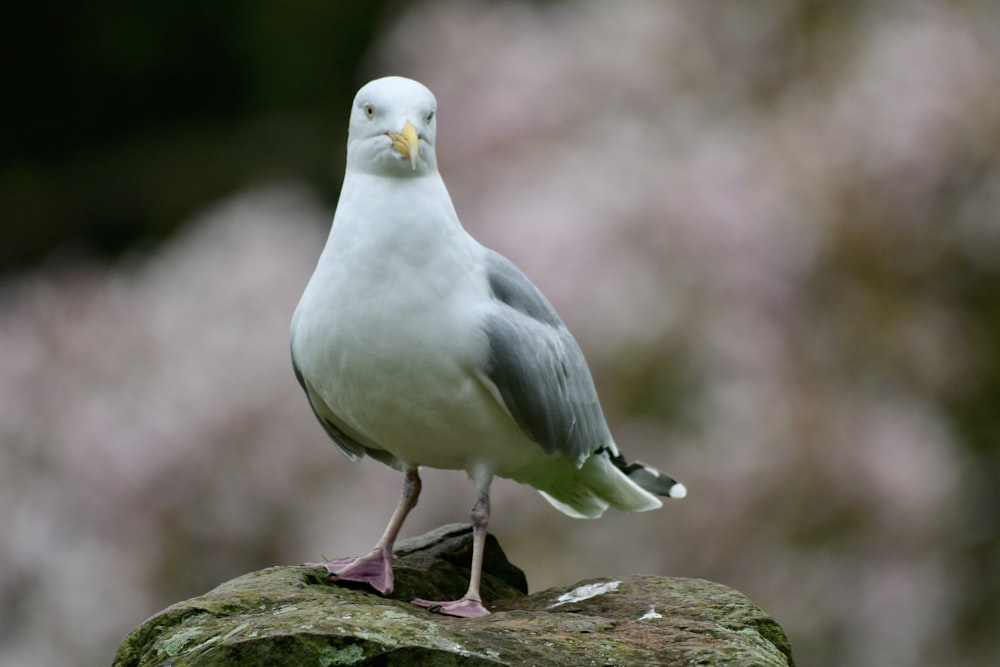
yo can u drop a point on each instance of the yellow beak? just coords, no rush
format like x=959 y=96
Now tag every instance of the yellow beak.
x=407 y=143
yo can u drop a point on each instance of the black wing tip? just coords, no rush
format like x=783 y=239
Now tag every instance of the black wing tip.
x=648 y=478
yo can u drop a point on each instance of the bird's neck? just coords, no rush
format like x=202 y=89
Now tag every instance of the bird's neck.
x=397 y=224
x=412 y=207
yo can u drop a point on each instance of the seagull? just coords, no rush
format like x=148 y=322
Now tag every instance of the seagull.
x=418 y=346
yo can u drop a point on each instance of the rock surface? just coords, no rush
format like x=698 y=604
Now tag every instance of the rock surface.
x=292 y=616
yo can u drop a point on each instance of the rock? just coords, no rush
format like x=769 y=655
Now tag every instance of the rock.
x=292 y=616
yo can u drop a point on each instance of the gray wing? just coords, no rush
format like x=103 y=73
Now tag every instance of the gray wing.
x=538 y=367
x=348 y=445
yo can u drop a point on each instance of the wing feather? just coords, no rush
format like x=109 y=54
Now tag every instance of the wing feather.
x=538 y=368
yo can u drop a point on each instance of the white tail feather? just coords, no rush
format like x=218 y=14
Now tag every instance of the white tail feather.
x=592 y=509
x=586 y=492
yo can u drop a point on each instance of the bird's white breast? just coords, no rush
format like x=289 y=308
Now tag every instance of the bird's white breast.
x=388 y=331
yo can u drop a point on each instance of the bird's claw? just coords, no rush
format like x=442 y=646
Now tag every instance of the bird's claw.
x=374 y=569
x=463 y=608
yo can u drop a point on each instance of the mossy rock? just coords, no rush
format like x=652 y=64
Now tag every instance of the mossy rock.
x=293 y=616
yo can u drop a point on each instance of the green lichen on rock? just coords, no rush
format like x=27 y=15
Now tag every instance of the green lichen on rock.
x=293 y=616
x=347 y=655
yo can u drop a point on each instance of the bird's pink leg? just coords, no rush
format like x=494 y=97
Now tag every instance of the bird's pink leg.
x=375 y=567
x=470 y=605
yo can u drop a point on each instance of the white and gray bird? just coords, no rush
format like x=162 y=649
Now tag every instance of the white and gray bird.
x=417 y=346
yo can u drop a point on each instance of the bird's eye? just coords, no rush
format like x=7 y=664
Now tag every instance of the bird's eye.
x=369 y=111
x=430 y=116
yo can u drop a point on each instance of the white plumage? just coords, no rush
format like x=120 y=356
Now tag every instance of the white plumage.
x=418 y=346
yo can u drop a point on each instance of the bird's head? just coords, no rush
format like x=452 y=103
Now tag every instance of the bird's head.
x=392 y=128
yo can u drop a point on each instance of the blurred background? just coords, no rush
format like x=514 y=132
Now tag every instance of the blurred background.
x=772 y=226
